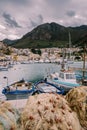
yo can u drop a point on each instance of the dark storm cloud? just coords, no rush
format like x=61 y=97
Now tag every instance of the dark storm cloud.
x=37 y=21
x=21 y=16
x=57 y=2
x=33 y=23
x=22 y=2
x=17 y=2
x=11 y=22
x=70 y=13
x=40 y=19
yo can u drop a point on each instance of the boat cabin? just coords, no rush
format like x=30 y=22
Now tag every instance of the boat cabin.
x=67 y=76
x=53 y=77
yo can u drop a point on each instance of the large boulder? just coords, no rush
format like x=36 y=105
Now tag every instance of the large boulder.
x=48 y=112
x=9 y=117
x=77 y=99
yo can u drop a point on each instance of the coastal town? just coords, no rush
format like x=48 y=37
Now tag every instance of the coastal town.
x=9 y=55
x=43 y=65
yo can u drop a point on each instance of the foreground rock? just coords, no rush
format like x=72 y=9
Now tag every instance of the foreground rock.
x=49 y=112
x=77 y=98
x=8 y=117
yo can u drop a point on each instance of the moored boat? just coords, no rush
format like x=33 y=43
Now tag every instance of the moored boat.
x=3 y=68
x=18 y=90
x=43 y=86
x=65 y=79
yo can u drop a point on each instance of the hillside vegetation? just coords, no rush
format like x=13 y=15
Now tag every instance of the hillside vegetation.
x=50 y=35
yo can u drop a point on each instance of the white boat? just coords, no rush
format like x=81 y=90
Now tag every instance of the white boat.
x=65 y=79
x=3 y=68
x=18 y=90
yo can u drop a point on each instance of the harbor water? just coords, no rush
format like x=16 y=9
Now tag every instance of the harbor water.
x=30 y=72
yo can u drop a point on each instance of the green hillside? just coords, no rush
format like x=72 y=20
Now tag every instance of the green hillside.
x=50 y=35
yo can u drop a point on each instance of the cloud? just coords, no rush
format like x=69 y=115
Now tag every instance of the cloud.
x=70 y=13
x=10 y=21
x=18 y=17
x=37 y=21
x=13 y=36
x=20 y=1
x=16 y=2
x=57 y=2
x=2 y=27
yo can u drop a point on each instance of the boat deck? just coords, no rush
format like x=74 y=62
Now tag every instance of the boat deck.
x=47 y=87
x=20 y=86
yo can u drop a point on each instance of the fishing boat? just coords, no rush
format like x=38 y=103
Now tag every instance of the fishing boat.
x=18 y=90
x=43 y=86
x=3 y=68
x=65 y=79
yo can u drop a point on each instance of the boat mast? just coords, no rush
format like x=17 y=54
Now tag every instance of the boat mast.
x=69 y=45
x=84 y=55
x=63 y=63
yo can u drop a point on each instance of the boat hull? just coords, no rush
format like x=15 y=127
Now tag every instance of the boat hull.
x=65 y=86
x=18 y=90
x=17 y=96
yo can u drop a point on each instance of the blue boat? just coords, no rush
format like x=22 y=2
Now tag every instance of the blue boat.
x=43 y=86
x=65 y=79
x=18 y=90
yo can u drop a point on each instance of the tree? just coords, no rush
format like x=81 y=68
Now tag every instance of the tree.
x=7 y=51
x=36 y=51
x=39 y=52
x=33 y=50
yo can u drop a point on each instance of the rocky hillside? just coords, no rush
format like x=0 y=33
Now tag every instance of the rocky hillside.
x=50 y=35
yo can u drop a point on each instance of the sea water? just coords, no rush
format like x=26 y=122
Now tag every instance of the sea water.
x=31 y=72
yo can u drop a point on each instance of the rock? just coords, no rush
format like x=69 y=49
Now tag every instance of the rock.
x=77 y=98
x=49 y=112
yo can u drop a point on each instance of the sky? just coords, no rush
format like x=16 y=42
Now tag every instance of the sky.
x=18 y=17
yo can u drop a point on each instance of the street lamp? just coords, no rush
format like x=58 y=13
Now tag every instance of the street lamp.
x=6 y=78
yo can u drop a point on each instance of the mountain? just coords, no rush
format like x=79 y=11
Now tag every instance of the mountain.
x=50 y=35
x=9 y=42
